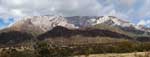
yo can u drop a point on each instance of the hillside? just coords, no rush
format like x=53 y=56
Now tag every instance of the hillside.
x=72 y=29
x=59 y=31
x=57 y=36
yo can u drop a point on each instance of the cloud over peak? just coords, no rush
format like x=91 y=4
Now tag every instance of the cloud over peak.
x=125 y=9
x=50 y=7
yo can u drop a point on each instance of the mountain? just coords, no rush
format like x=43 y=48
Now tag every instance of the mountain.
x=80 y=28
x=89 y=21
x=40 y=24
x=93 y=20
x=45 y=23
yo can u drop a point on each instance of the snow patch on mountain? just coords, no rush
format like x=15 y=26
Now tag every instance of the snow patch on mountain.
x=48 y=22
x=45 y=22
x=93 y=20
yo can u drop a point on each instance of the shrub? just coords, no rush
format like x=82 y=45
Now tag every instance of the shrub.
x=14 y=53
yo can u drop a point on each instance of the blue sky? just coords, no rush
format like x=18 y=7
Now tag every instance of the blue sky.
x=136 y=11
x=5 y=23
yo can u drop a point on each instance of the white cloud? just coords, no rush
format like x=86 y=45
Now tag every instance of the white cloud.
x=126 y=9
x=19 y=8
x=128 y=3
x=144 y=22
x=16 y=12
x=51 y=7
x=68 y=7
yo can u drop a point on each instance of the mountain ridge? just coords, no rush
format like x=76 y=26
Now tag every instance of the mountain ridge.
x=46 y=22
x=78 y=27
x=42 y=24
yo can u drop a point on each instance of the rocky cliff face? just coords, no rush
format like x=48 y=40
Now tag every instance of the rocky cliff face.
x=48 y=22
x=88 y=21
x=45 y=23
x=42 y=23
x=93 y=20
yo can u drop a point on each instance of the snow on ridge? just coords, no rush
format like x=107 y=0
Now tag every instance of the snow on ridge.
x=45 y=22
x=48 y=22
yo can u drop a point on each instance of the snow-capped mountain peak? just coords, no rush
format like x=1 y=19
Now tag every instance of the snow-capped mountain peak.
x=89 y=21
x=111 y=20
x=48 y=22
x=44 y=22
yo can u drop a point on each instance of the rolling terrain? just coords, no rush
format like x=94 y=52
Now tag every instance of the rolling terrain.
x=57 y=36
x=68 y=28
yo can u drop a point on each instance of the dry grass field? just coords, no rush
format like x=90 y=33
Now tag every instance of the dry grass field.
x=134 y=54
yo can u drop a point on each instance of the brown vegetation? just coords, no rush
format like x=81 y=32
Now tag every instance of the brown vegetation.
x=67 y=33
x=14 y=37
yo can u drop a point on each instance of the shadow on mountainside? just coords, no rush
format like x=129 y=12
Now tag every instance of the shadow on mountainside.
x=143 y=39
x=14 y=37
x=67 y=33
